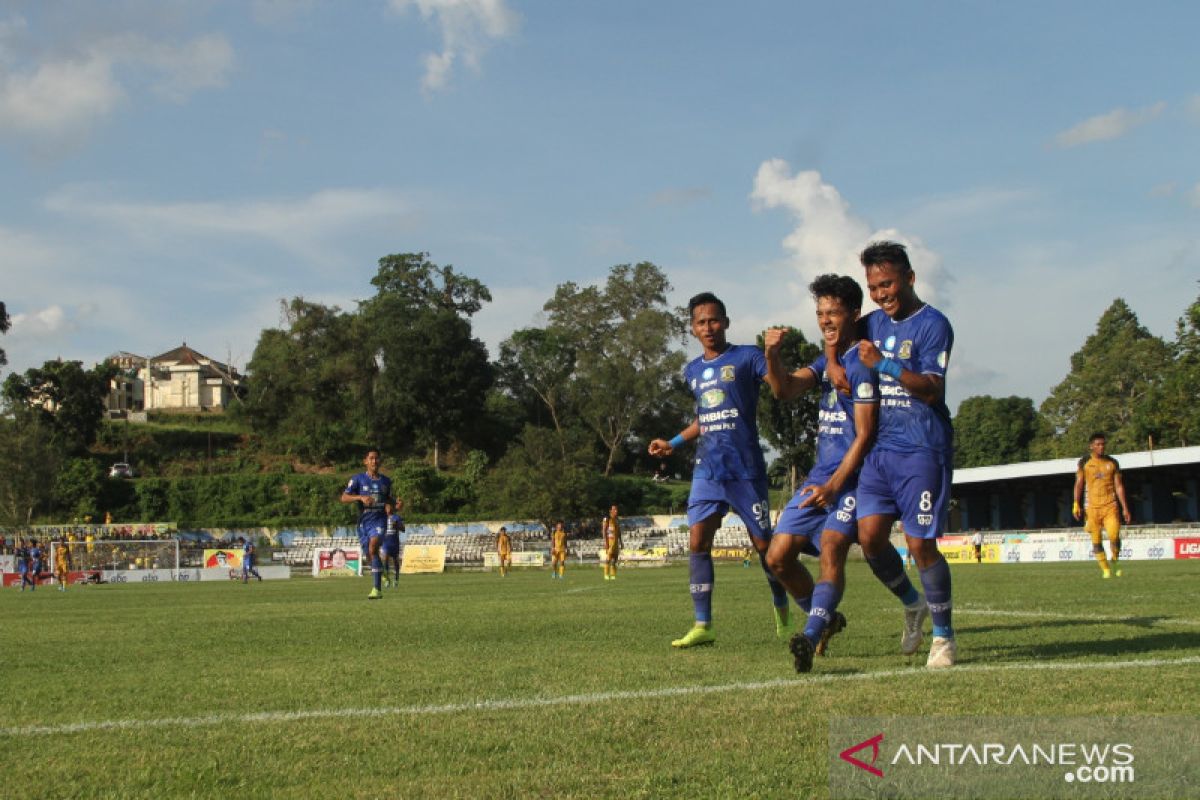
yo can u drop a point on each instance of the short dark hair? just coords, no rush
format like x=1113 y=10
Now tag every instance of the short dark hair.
x=374 y=450
x=703 y=299
x=1097 y=435
x=885 y=252
x=843 y=287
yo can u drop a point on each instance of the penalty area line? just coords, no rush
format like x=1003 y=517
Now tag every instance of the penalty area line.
x=510 y=704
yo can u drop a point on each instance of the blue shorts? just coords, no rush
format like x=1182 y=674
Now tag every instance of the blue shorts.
x=810 y=521
x=914 y=487
x=391 y=544
x=368 y=532
x=748 y=498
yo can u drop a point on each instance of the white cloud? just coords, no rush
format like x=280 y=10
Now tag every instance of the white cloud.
x=1105 y=127
x=53 y=97
x=49 y=320
x=828 y=235
x=303 y=226
x=468 y=27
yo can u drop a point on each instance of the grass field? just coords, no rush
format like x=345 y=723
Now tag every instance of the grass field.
x=469 y=685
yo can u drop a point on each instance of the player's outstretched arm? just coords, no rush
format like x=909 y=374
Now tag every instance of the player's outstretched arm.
x=784 y=385
x=663 y=447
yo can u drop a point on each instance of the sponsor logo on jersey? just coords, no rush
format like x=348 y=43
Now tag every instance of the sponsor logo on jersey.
x=713 y=416
x=727 y=373
x=890 y=343
x=707 y=374
x=831 y=398
x=905 y=349
x=712 y=398
x=865 y=391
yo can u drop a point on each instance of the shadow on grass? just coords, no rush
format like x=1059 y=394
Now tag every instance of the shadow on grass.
x=1160 y=643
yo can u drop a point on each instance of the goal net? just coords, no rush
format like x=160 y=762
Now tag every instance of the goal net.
x=117 y=554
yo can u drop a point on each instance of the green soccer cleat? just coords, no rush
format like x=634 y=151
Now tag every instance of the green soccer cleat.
x=375 y=594
x=698 y=635
x=783 y=624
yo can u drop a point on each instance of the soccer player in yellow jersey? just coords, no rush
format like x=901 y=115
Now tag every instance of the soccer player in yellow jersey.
x=558 y=551
x=504 y=550
x=1100 y=474
x=62 y=565
x=611 y=531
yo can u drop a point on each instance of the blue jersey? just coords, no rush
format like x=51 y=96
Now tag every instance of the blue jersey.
x=836 y=430
x=922 y=344
x=380 y=491
x=726 y=391
x=248 y=554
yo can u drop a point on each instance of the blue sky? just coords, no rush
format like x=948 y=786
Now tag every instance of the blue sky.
x=173 y=169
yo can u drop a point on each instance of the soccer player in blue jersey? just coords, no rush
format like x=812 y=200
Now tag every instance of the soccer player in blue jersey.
x=729 y=468
x=35 y=563
x=391 y=545
x=906 y=475
x=248 y=560
x=372 y=491
x=820 y=517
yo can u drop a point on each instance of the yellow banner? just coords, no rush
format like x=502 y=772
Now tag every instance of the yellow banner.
x=965 y=553
x=423 y=558
x=731 y=552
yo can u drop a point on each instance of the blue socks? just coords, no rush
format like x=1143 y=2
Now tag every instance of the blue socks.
x=889 y=569
x=936 y=580
x=700 y=578
x=825 y=599
x=779 y=595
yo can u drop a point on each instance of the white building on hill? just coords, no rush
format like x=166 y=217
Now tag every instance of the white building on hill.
x=180 y=379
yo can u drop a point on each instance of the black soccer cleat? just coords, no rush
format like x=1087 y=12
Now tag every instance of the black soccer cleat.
x=802 y=651
x=835 y=626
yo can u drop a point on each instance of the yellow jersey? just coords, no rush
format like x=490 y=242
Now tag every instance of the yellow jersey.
x=558 y=541
x=503 y=543
x=1099 y=480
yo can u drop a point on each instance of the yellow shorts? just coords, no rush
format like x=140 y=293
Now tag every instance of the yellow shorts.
x=1104 y=518
x=558 y=555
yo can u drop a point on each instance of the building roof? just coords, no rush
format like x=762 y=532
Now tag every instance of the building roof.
x=1066 y=466
x=186 y=355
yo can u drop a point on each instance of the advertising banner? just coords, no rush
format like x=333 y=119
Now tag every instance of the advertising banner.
x=420 y=558
x=224 y=557
x=965 y=553
x=336 y=562
x=1187 y=548
x=525 y=558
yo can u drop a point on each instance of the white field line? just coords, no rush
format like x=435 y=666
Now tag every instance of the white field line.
x=1081 y=616
x=520 y=703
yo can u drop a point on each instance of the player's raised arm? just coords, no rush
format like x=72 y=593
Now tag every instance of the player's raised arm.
x=664 y=447
x=784 y=385
x=927 y=388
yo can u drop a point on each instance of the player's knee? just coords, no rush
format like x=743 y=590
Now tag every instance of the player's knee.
x=1097 y=547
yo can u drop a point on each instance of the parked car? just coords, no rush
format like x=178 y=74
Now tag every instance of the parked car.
x=120 y=470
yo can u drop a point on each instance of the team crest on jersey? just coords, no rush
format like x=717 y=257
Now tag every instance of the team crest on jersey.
x=905 y=349
x=831 y=398
x=727 y=373
x=707 y=374
x=890 y=343
x=865 y=391
x=712 y=398
x=942 y=359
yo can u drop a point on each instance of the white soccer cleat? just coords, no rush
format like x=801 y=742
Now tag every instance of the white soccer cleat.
x=942 y=653
x=914 y=619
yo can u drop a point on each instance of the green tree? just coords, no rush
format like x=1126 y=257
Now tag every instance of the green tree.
x=65 y=397
x=536 y=366
x=534 y=481
x=1172 y=411
x=993 y=430
x=78 y=487
x=310 y=381
x=5 y=324
x=791 y=427
x=29 y=462
x=434 y=374
x=624 y=337
x=1111 y=377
